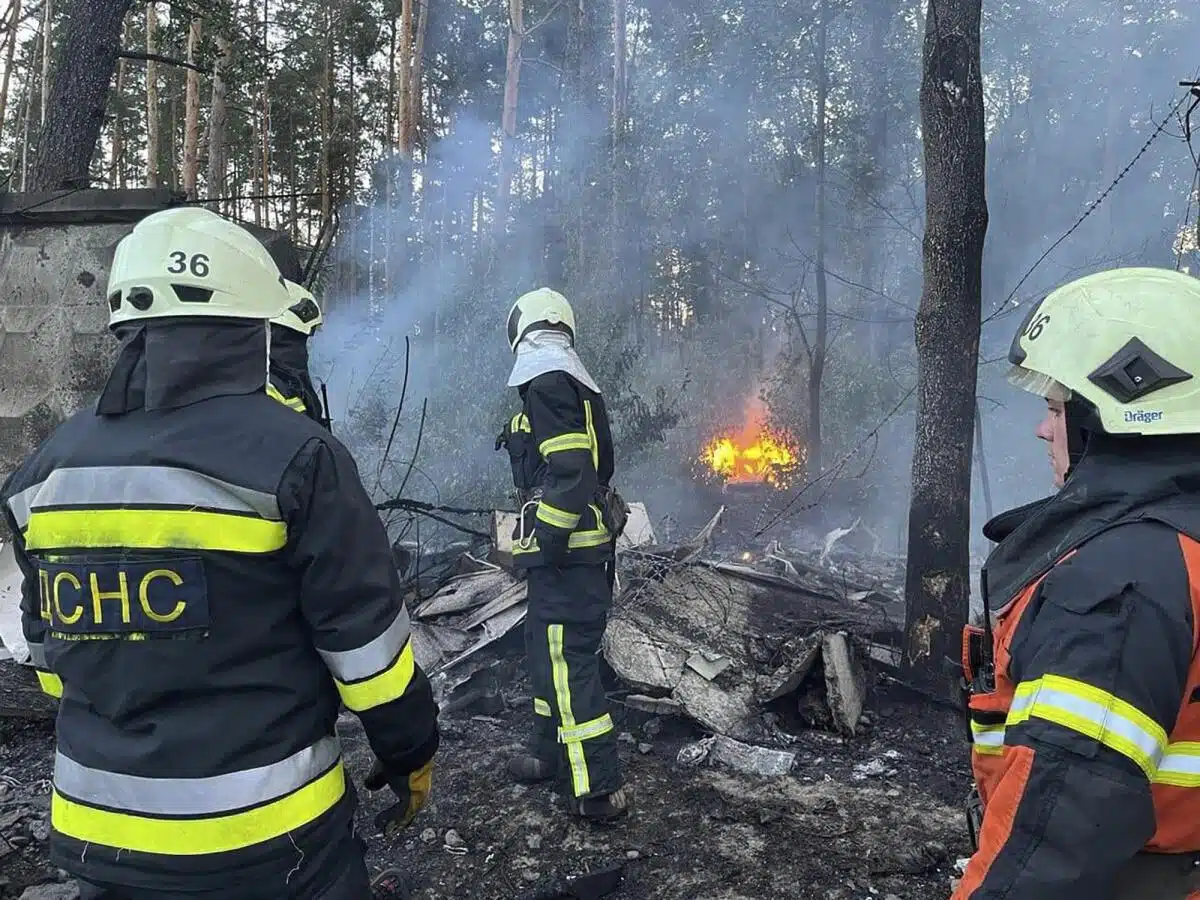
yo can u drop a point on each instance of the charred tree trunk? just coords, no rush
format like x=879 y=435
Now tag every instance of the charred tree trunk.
x=947 y=335
x=91 y=35
x=218 y=115
x=191 y=116
x=152 y=108
x=817 y=351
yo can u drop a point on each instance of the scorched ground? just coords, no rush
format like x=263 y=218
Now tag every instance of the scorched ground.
x=876 y=816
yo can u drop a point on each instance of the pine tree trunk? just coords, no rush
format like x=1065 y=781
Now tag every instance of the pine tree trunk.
x=265 y=128
x=116 y=171
x=91 y=35
x=818 y=348
x=415 y=101
x=9 y=51
x=218 y=147
x=508 y=115
x=47 y=48
x=152 y=109
x=191 y=117
x=326 y=95
x=947 y=333
x=404 y=65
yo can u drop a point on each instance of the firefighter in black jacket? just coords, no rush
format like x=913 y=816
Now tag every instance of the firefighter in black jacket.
x=561 y=451
x=206 y=580
x=291 y=384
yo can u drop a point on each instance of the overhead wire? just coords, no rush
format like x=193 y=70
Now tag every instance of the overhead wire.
x=1003 y=308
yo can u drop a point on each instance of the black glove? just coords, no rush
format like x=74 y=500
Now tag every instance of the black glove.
x=411 y=790
x=553 y=544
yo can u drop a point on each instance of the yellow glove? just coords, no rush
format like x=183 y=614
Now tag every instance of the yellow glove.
x=412 y=793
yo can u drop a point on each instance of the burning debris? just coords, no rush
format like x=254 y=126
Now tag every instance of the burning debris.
x=754 y=454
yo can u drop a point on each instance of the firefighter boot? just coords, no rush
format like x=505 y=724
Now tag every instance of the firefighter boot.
x=529 y=769
x=606 y=807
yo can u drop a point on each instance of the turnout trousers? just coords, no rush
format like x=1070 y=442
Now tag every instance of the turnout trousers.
x=568 y=610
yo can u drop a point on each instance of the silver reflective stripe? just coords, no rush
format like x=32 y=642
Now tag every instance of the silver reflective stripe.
x=987 y=735
x=1021 y=702
x=1105 y=721
x=37 y=655
x=193 y=796
x=373 y=657
x=130 y=486
x=1178 y=761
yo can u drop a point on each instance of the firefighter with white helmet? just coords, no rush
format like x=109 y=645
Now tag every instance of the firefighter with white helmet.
x=1083 y=676
x=291 y=382
x=561 y=450
x=206 y=583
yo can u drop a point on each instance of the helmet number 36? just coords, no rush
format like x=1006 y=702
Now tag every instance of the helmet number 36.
x=1033 y=329
x=180 y=263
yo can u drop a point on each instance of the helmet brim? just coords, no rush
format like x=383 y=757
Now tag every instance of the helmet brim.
x=1037 y=383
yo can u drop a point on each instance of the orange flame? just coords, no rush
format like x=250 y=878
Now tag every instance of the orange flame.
x=755 y=454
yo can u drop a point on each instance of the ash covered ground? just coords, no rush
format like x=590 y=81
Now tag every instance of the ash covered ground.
x=875 y=816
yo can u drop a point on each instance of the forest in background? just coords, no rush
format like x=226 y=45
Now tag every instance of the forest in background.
x=729 y=193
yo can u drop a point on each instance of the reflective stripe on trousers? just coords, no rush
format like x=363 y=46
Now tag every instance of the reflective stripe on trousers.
x=146 y=507
x=193 y=816
x=572 y=734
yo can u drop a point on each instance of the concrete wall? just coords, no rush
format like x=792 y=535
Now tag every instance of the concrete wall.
x=55 y=349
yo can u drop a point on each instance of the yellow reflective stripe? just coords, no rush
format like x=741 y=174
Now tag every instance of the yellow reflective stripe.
x=1180 y=766
x=564 y=442
x=153 y=529
x=590 y=537
x=987 y=739
x=519 y=422
x=295 y=403
x=594 y=443
x=1092 y=712
x=580 y=779
x=541 y=707
x=50 y=683
x=388 y=685
x=586 y=731
x=193 y=837
x=559 y=518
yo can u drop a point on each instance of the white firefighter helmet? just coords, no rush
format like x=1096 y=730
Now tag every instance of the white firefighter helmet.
x=189 y=261
x=1127 y=341
x=304 y=313
x=541 y=307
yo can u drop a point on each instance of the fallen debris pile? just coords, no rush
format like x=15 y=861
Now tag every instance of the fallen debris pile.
x=747 y=649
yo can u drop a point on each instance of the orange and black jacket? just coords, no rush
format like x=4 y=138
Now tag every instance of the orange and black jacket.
x=1086 y=742
x=561 y=450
